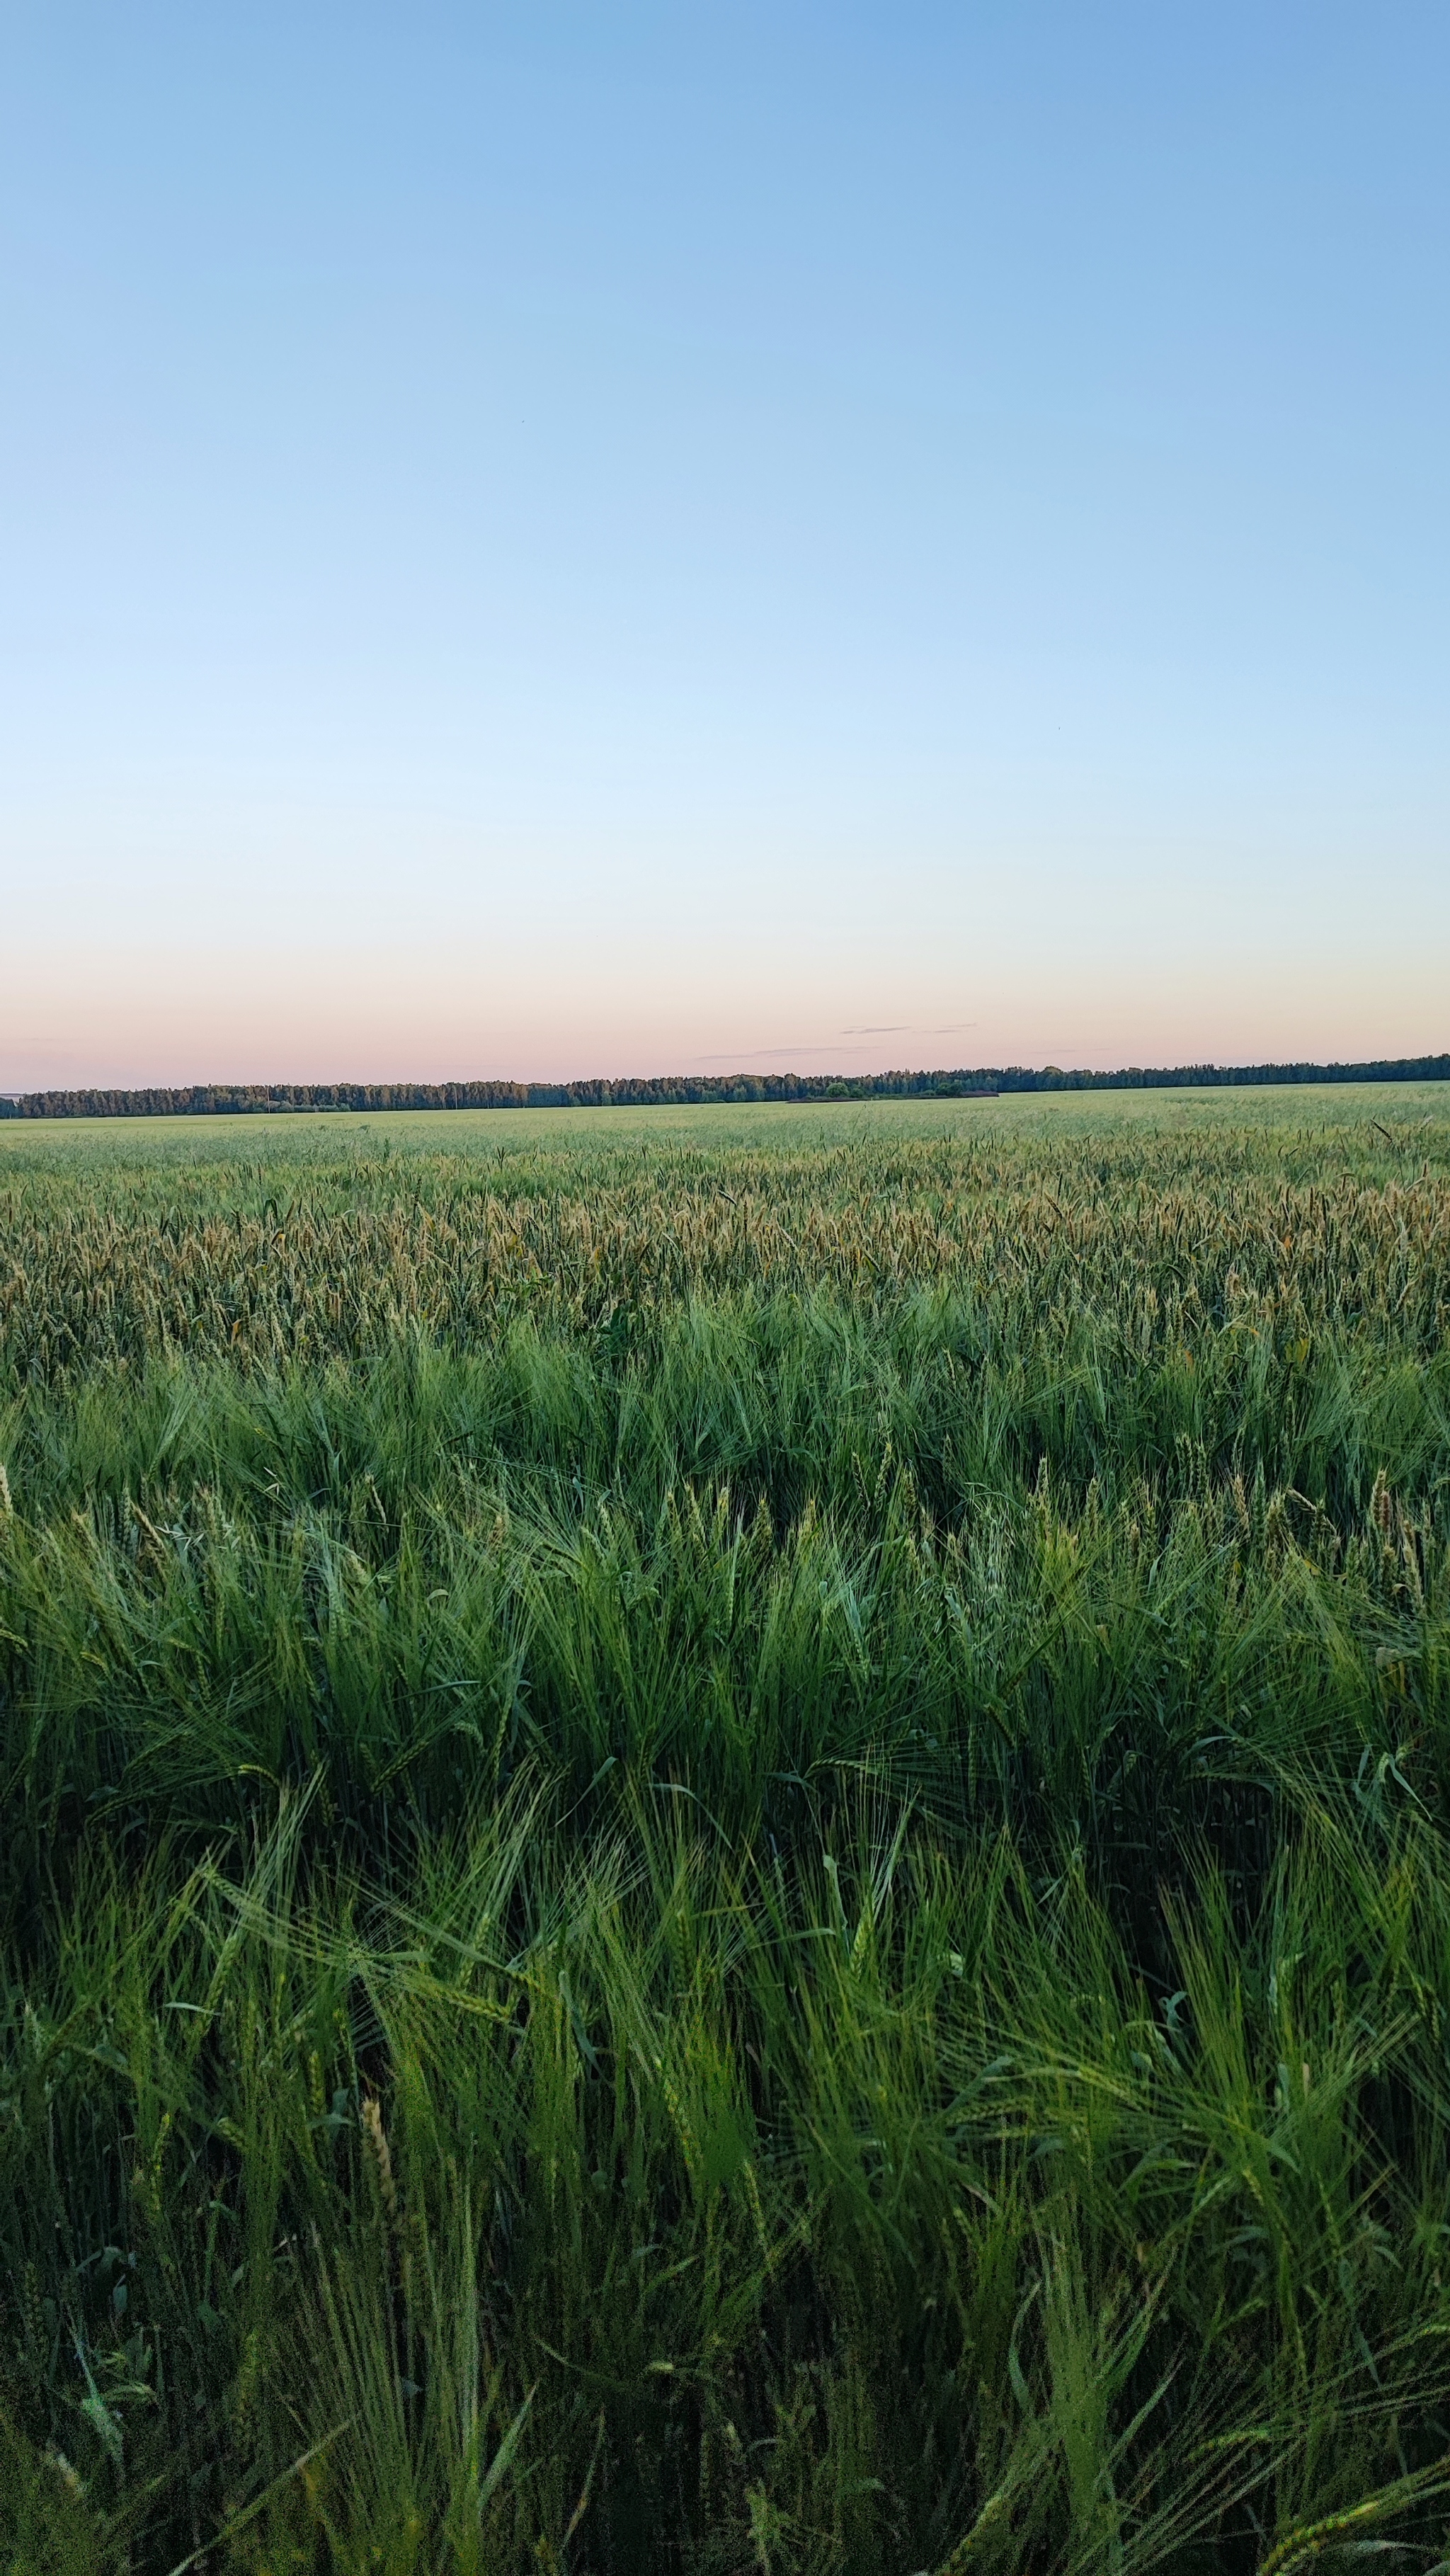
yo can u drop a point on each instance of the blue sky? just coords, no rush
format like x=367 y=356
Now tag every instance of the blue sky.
x=550 y=539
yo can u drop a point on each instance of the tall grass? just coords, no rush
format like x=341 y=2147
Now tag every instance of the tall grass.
x=726 y=1848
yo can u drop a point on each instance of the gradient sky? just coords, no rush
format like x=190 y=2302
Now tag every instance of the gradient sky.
x=553 y=539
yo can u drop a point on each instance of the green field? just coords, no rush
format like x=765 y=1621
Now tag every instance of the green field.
x=727 y=1839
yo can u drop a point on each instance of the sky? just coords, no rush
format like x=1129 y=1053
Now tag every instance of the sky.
x=548 y=540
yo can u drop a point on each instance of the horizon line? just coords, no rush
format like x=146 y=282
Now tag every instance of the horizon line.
x=741 y=1087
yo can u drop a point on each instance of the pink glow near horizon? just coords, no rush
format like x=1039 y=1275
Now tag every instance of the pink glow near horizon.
x=127 y=1018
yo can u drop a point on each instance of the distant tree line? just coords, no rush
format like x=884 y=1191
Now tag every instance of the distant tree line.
x=215 y=1099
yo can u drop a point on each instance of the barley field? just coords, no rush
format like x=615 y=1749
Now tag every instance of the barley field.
x=727 y=1840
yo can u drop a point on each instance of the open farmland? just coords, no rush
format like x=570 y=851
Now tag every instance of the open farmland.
x=727 y=1839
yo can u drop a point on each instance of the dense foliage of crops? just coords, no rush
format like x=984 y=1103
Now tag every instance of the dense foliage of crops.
x=727 y=1840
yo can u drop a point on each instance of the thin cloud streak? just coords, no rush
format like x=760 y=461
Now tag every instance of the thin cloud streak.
x=876 y=1029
